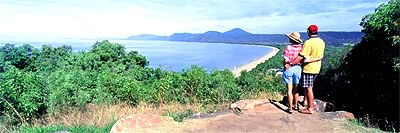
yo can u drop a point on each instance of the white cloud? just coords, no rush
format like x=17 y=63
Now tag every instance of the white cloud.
x=106 y=18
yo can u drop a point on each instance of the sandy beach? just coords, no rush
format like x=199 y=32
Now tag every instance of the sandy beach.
x=254 y=63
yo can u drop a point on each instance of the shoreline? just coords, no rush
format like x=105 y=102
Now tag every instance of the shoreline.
x=252 y=64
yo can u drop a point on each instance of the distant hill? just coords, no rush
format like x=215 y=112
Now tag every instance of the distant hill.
x=238 y=35
x=147 y=37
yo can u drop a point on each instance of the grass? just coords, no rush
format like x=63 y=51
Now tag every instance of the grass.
x=357 y=125
x=100 y=118
x=73 y=129
x=100 y=115
x=179 y=116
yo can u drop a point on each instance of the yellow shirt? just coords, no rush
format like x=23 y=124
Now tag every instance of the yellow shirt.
x=313 y=48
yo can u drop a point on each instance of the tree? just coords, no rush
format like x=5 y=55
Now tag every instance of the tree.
x=368 y=84
x=20 y=57
x=50 y=59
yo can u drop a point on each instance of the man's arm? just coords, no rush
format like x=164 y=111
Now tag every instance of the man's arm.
x=314 y=59
x=304 y=53
x=297 y=59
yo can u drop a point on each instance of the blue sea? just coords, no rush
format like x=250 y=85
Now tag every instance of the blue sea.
x=174 y=56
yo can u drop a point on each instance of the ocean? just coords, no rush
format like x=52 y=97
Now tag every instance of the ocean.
x=174 y=56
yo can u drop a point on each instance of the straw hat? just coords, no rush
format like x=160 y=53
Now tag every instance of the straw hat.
x=295 y=36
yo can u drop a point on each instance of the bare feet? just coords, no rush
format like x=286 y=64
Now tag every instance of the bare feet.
x=307 y=111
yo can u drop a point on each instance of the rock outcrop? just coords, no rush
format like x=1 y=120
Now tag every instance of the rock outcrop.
x=337 y=115
x=248 y=104
x=138 y=121
x=250 y=116
x=267 y=106
x=319 y=106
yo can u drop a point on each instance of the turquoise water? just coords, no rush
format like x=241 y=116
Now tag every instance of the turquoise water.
x=175 y=55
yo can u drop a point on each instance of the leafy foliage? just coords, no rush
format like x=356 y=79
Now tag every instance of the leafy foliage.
x=50 y=80
x=22 y=94
x=367 y=80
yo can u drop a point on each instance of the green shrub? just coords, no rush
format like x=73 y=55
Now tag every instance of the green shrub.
x=68 y=89
x=21 y=95
x=195 y=84
x=223 y=87
x=130 y=91
x=167 y=86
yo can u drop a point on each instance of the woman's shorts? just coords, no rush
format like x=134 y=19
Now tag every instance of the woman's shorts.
x=292 y=75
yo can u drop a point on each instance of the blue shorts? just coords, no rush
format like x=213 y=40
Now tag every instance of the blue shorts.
x=292 y=75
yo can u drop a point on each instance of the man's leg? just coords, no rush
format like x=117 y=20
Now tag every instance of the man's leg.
x=308 y=83
x=310 y=98
x=305 y=103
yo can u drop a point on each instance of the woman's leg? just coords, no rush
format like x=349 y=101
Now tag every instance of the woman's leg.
x=295 y=96
x=287 y=78
x=296 y=80
x=289 y=96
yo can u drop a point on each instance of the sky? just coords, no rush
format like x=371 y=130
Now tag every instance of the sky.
x=21 y=19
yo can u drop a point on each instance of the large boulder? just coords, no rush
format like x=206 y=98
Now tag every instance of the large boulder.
x=138 y=121
x=319 y=106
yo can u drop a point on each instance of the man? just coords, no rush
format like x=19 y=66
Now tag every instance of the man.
x=312 y=53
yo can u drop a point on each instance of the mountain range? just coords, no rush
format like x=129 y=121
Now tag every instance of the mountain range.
x=238 y=35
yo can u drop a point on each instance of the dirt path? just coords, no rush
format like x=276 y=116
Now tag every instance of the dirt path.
x=263 y=118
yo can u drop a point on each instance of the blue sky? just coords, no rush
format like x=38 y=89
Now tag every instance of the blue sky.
x=122 y=18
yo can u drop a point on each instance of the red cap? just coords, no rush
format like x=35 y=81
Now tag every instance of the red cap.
x=313 y=28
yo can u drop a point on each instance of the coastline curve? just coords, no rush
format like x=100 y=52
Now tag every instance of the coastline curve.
x=252 y=64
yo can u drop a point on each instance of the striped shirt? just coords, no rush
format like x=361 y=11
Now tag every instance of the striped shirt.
x=291 y=52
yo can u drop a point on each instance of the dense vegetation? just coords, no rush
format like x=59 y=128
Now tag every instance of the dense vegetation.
x=37 y=82
x=366 y=82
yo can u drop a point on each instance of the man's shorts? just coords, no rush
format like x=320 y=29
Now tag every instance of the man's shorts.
x=292 y=75
x=307 y=80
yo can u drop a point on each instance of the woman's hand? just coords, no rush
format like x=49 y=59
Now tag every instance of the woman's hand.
x=287 y=66
x=307 y=60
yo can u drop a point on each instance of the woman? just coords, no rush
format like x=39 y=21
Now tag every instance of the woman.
x=292 y=74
